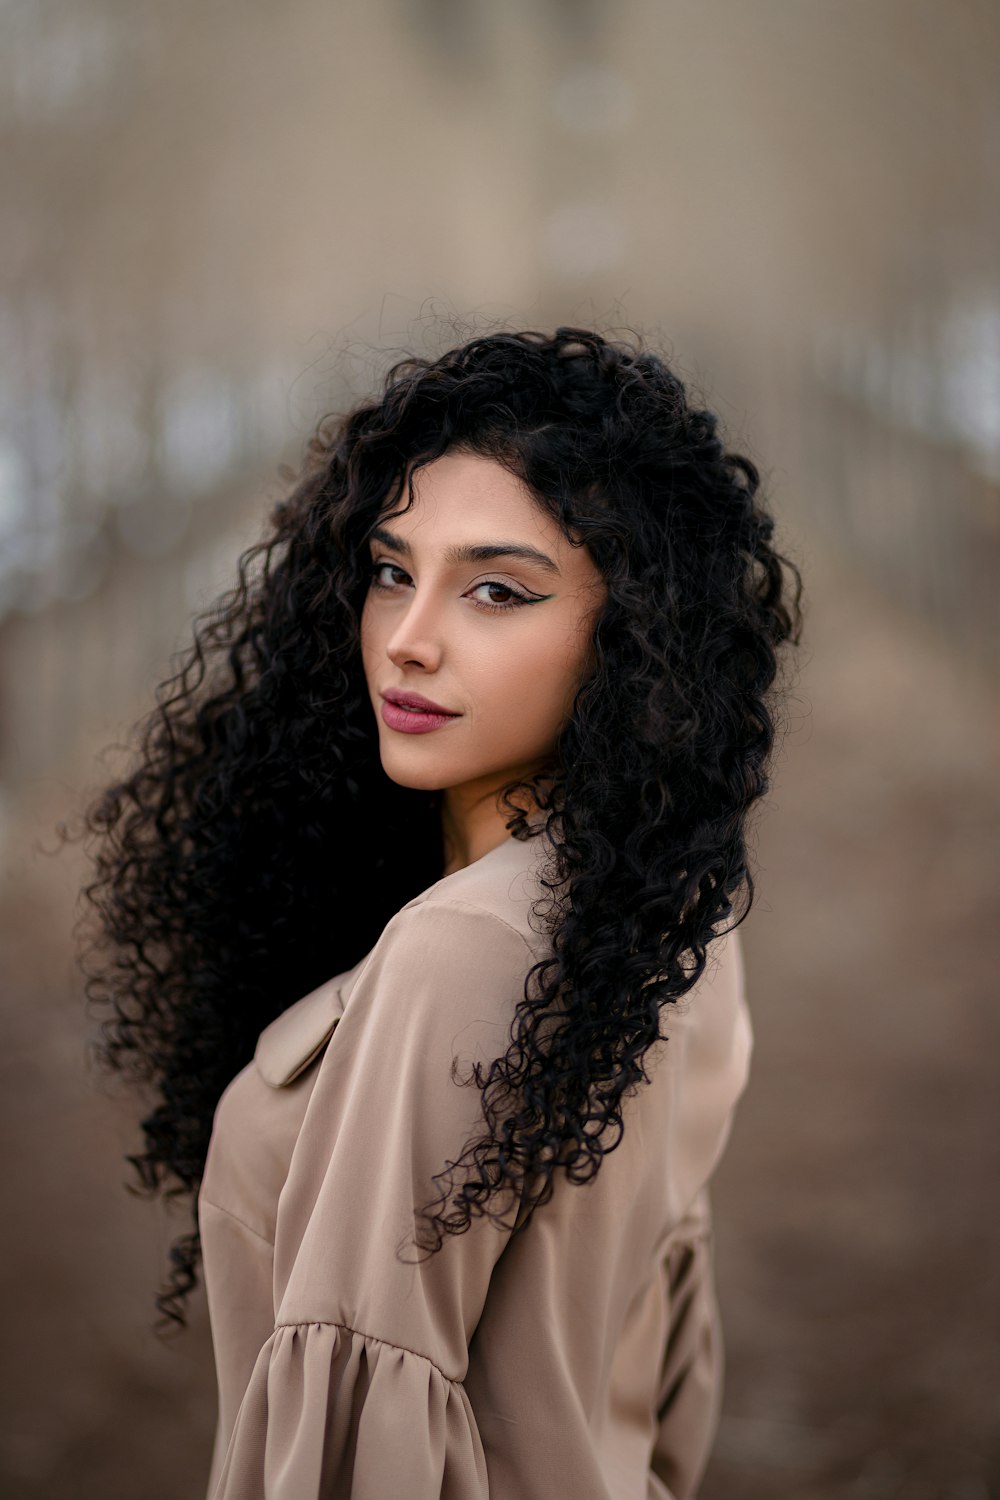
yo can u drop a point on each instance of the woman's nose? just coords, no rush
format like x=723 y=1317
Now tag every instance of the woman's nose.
x=417 y=635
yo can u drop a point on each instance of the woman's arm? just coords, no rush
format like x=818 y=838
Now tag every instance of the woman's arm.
x=359 y=1389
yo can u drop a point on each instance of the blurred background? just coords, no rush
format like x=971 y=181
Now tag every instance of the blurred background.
x=223 y=220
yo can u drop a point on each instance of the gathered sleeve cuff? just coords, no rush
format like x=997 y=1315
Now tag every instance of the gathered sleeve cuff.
x=331 y=1411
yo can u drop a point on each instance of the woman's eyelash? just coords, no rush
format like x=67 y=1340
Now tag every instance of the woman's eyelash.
x=496 y=583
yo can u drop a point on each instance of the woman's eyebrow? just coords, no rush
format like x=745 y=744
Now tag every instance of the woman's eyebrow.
x=477 y=552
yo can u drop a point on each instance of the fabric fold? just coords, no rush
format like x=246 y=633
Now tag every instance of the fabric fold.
x=692 y=1375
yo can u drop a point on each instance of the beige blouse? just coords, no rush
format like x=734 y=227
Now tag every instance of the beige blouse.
x=581 y=1358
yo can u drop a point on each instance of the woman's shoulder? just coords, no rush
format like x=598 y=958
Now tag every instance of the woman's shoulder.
x=468 y=936
x=503 y=884
x=476 y=922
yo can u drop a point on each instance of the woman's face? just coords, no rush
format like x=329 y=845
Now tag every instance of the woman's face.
x=507 y=673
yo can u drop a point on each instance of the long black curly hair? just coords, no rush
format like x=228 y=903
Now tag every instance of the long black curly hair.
x=236 y=866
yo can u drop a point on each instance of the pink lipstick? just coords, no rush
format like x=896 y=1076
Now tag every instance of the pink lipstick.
x=404 y=711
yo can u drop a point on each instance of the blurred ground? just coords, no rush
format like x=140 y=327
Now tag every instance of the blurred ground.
x=856 y=1209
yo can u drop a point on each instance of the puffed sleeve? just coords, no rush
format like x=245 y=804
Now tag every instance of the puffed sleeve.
x=691 y=1377
x=359 y=1392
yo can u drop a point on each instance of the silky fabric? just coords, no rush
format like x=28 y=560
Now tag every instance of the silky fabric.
x=581 y=1357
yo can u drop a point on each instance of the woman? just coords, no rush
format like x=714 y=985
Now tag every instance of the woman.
x=416 y=909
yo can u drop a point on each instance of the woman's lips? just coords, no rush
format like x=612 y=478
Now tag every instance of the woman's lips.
x=411 y=720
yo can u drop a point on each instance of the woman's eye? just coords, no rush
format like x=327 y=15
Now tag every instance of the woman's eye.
x=504 y=588
x=376 y=570
x=515 y=599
